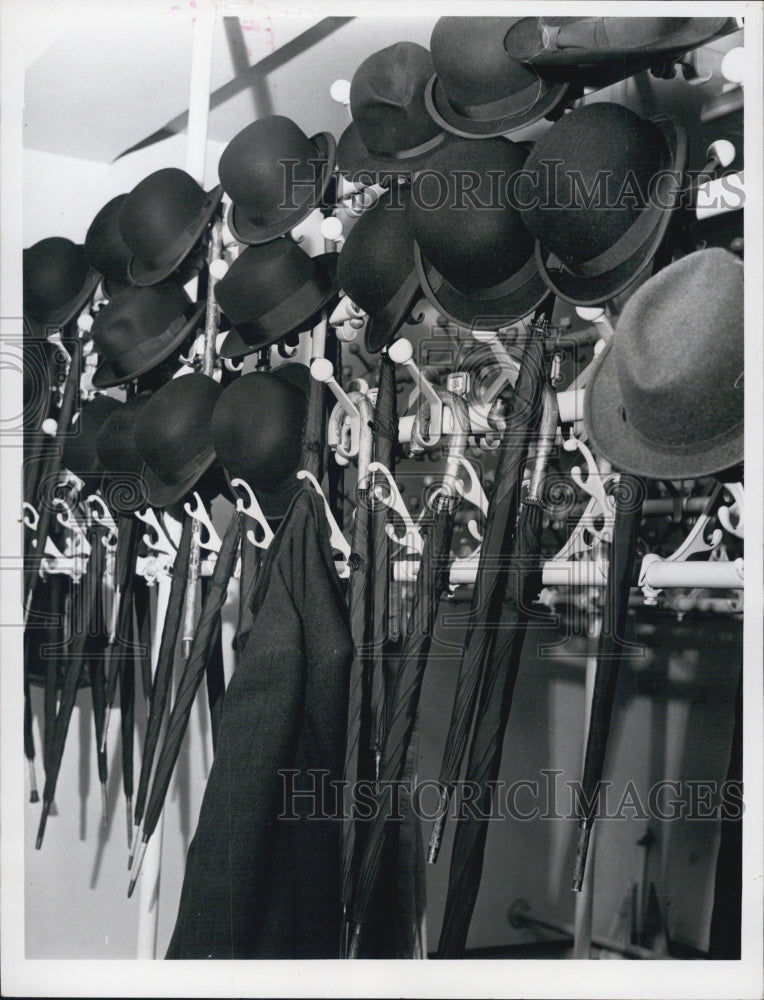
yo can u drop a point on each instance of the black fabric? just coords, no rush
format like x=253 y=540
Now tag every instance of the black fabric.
x=254 y=886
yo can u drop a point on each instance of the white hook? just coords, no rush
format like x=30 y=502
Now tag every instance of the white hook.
x=198 y=512
x=411 y=539
x=30 y=515
x=162 y=542
x=336 y=538
x=253 y=509
x=79 y=540
x=735 y=527
x=100 y=513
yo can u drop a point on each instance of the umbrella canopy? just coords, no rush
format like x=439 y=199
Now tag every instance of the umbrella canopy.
x=193 y=672
x=163 y=674
x=491 y=578
x=628 y=496
x=431 y=582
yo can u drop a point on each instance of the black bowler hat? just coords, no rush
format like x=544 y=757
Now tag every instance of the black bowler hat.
x=139 y=328
x=474 y=257
x=106 y=250
x=479 y=91
x=123 y=485
x=161 y=221
x=79 y=447
x=257 y=432
x=270 y=291
x=173 y=436
x=602 y=185
x=665 y=398
x=588 y=42
x=391 y=130
x=376 y=268
x=275 y=176
x=58 y=281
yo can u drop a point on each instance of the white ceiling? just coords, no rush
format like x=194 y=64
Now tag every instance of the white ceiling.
x=103 y=78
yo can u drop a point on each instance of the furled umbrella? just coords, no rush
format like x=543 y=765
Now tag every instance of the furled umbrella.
x=207 y=630
x=97 y=673
x=160 y=689
x=495 y=701
x=127 y=731
x=431 y=582
x=491 y=577
x=628 y=495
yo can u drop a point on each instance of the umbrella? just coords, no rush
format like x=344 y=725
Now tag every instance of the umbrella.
x=89 y=588
x=128 y=540
x=29 y=751
x=523 y=586
x=142 y=604
x=491 y=578
x=628 y=496
x=431 y=581
x=164 y=664
x=385 y=441
x=208 y=628
x=127 y=729
x=96 y=669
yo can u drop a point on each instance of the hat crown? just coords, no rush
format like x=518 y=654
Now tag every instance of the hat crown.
x=471 y=63
x=173 y=428
x=257 y=427
x=262 y=277
x=104 y=247
x=269 y=163
x=387 y=98
x=115 y=444
x=378 y=254
x=158 y=212
x=462 y=214
x=137 y=316
x=679 y=353
x=590 y=178
x=54 y=272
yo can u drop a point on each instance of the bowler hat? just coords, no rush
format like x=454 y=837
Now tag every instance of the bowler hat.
x=123 y=485
x=665 y=397
x=58 y=281
x=139 y=328
x=173 y=436
x=479 y=90
x=271 y=291
x=79 y=446
x=474 y=257
x=106 y=250
x=585 y=42
x=257 y=432
x=391 y=130
x=275 y=176
x=598 y=196
x=376 y=267
x=161 y=220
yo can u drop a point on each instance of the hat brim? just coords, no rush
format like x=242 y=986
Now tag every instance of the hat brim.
x=550 y=96
x=353 y=158
x=162 y=494
x=305 y=316
x=592 y=291
x=478 y=314
x=383 y=326
x=617 y=440
x=144 y=276
x=105 y=376
x=252 y=234
x=39 y=328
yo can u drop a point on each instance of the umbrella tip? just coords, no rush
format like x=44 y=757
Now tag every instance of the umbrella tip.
x=129 y=812
x=105 y=733
x=41 y=827
x=33 y=793
x=582 y=850
x=355 y=942
x=104 y=808
x=186 y=648
x=138 y=864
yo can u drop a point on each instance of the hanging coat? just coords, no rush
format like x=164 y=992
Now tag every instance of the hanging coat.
x=257 y=886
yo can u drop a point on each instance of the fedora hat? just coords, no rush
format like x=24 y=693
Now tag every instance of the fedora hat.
x=173 y=436
x=78 y=453
x=123 y=485
x=600 y=190
x=473 y=255
x=139 y=328
x=376 y=267
x=106 y=250
x=478 y=90
x=391 y=130
x=583 y=42
x=275 y=176
x=257 y=432
x=161 y=220
x=270 y=291
x=665 y=397
x=58 y=280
